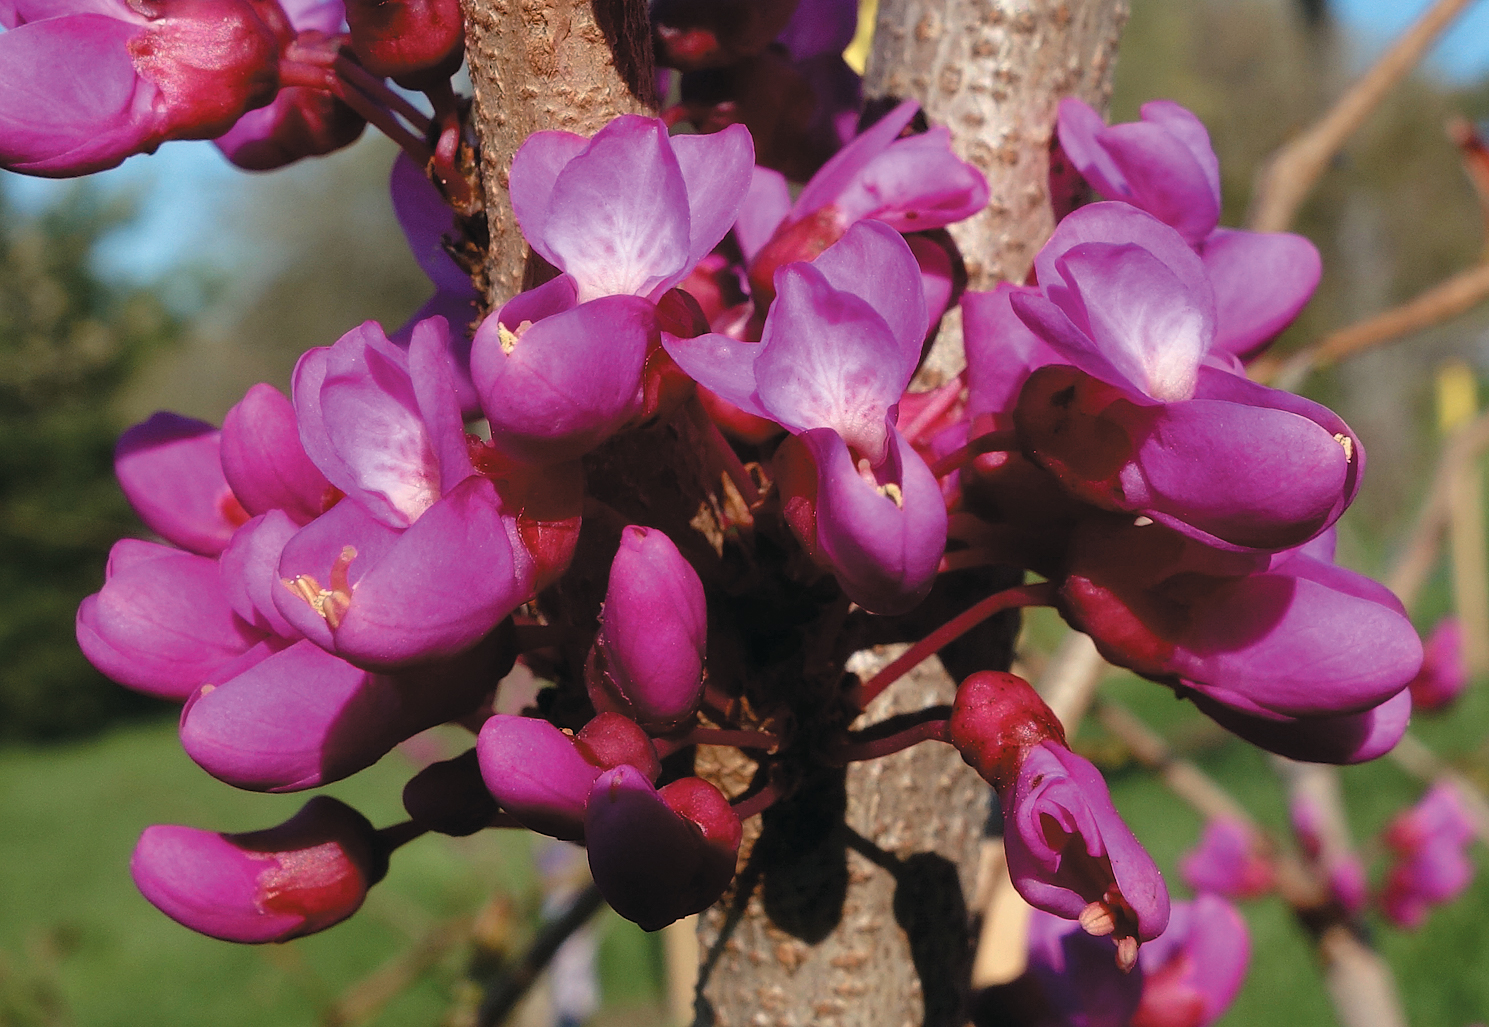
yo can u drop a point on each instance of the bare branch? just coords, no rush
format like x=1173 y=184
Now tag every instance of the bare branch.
x=1290 y=175
x=1421 y=550
x=1443 y=302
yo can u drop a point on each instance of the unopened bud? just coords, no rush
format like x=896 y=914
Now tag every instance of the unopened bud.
x=997 y=719
x=415 y=42
x=303 y=876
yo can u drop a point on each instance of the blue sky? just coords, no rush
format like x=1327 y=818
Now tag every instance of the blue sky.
x=183 y=185
x=1461 y=55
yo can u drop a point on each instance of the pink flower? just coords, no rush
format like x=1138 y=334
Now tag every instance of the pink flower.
x=307 y=874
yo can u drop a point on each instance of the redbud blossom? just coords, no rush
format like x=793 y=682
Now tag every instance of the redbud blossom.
x=647 y=660
x=305 y=875
x=658 y=856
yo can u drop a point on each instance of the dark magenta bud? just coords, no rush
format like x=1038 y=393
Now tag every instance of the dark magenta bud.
x=303 y=876
x=415 y=42
x=611 y=740
x=997 y=719
x=658 y=856
x=450 y=797
x=647 y=661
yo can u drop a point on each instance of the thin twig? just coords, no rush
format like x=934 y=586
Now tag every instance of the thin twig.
x=1420 y=553
x=1443 y=302
x=507 y=990
x=1291 y=173
x=1068 y=681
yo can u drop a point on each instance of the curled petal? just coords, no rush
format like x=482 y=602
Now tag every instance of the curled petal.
x=303 y=718
x=171 y=472
x=537 y=775
x=264 y=461
x=566 y=383
x=1262 y=280
x=1068 y=848
x=659 y=856
x=884 y=541
x=162 y=623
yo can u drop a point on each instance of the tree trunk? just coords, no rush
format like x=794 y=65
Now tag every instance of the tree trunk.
x=547 y=64
x=853 y=906
x=994 y=71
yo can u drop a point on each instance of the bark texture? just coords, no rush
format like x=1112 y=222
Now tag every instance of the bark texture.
x=547 y=64
x=994 y=71
x=851 y=907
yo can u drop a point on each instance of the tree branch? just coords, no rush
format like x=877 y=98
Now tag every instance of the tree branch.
x=1290 y=175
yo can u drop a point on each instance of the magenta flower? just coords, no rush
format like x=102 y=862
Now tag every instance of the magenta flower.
x=912 y=183
x=1164 y=165
x=1069 y=853
x=1078 y=976
x=89 y=84
x=170 y=470
x=631 y=211
x=543 y=777
x=415 y=42
x=1280 y=637
x=659 y=855
x=556 y=377
x=1431 y=866
x=838 y=348
x=419 y=561
x=1343 y=872
x=647 y=660
x=1230 y=860
x=1151 y=426
x=302 y=120
x=307 y=874
x=1444 y=674
x=162 y=623
x=265 y=463
x=300 y=718
x=1193 y=973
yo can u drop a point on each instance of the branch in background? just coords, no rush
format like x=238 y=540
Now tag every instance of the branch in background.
x=1420 y=553
x=514 y=980
x=1290 y=175
x=1443 y=302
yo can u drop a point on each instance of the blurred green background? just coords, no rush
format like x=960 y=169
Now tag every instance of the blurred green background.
x=294 y=259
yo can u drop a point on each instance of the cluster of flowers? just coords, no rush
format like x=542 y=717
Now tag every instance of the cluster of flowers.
x=368 y=558
x=91 y=82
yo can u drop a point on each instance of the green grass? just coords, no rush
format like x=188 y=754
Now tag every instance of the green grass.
x=78 y=945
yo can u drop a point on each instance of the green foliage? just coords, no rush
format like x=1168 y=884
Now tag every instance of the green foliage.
x=67 y=344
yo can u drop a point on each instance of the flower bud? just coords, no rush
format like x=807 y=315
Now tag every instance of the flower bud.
x=414 y=42
x=647 y=661
x=303 y=876
x=449 y=797
x=996 y=720
x=658 y=856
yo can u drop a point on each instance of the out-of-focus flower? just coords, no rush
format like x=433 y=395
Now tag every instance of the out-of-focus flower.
x=1444 y=674
x=1230 y=861
x=1431 y=867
